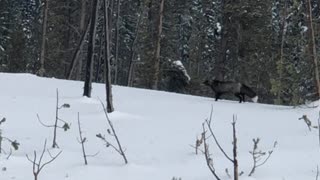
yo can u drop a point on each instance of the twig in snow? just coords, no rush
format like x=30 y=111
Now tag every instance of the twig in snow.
x=235 y=159
x=228 y=174
x=37 y=166
x=317 y=176
x=197 y=148
x=307 y=121
x=209 y=160
x=258 y=154
x=112 y=133
x=82 y=141
x=65 y=126
x=14 y=143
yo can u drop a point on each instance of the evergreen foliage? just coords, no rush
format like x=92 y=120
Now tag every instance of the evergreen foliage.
x=264 y=44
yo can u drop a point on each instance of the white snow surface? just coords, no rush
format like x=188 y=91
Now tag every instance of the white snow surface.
x=156 y=130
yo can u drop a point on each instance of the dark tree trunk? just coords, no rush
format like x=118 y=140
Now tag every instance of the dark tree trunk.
x=76 y=56
x=281 y=64
x=97 y=76
x=133 y=52
x=41 y=71
x=117 y=44
x=83 y=29
x=312 y=46
x=107 y=69
x=67 y=42
x=156 y=65
x=90 y=55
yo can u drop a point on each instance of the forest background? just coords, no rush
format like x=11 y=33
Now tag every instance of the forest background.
x=270 y=45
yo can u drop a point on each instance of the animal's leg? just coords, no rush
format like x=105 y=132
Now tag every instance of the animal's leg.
x=243 y=98
x=239 y=96
x=218 y=96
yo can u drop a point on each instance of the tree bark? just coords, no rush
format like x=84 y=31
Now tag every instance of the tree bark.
x=90 y=55
x=76 y=56
x=41 y=71
x=107 y=69
x=219 y=71
x=133 y=52
x=156 y=65
x=280 y=65
x=235 y=158
x=67 y=41
x=313 y=46
x=83 y=29
x=117 y=44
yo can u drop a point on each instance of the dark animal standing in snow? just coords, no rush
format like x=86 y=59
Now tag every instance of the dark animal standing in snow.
x=238 y=89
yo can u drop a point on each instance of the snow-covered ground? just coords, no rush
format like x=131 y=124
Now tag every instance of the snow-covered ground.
x=156 y=130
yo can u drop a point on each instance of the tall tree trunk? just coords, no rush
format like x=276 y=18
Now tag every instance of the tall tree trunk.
x=83 y=28
x=41 y=71
x=90 y=55
x=133 y=52
x=77 y=54
x=156 y=65
x=67 y=41
x=107 y=69
x=280 y=65
x=117 y=43
x=99 y=62
x=313 y=46
x=219 y=70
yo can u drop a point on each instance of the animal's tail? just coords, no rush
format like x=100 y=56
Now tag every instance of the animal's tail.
x=249 y=92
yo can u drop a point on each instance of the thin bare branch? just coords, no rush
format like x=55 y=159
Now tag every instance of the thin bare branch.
x=217 y=142
x=209 y=161
x=43 y=151
x=55 y=157
x=197 y=148
x=258 y=154
x=109 y=144
x=93 y=155
x=9 y=155
x=29 y=159
x=269 y=154
x=50 y=126
x=82 y=141
x=119 y=149
x=37 y=166
x=317 y=176
x=235 y=159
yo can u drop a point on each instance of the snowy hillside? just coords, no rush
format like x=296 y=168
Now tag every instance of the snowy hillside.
x=156 y=130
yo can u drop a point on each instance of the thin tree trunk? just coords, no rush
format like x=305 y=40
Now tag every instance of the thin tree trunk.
x=76 y=56
x=107 y=69
x=41 y=71
x=67 y=43
x=156 y=66
x=90 y=55
x=133 y=52
x=117 y=44
x=220 y=69
x=280 y=65
x=99 y=62
x=313 y=46
x=83 y=29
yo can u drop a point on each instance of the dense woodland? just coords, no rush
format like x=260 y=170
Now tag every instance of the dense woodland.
x=270 y=45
